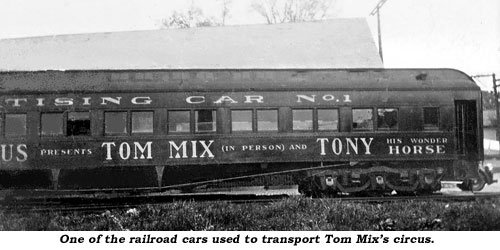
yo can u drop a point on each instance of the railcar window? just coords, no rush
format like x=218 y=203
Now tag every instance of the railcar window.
x=267 y=120
x=431 y=118
x=142 y=122
x=302 y=119
x=78 y=123
x=362 y=119
x=241 y=120
x=387 y=119
x=115 y=123
x=52 y=124
x=205 y=120
x=15 y=124
x=178 y=121
x=328 y=119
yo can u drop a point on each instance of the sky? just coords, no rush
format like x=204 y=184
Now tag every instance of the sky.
x=460 y=34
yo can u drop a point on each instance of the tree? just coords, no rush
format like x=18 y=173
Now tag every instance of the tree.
x=283 y=11
x=193 y=17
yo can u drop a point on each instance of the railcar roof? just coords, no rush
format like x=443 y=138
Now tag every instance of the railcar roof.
x=235 y=80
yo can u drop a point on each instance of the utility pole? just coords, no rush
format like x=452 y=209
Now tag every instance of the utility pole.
x=495 y=91
x=497 y=104
x=376 y=10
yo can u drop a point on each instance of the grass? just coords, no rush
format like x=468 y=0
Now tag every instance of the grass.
x=293 y=214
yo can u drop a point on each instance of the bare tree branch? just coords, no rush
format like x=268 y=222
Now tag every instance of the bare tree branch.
x=280 y=11
x=193 y=17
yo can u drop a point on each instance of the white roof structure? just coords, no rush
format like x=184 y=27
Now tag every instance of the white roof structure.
x=335 y=43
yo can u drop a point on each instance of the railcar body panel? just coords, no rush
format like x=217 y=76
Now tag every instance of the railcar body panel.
x=206 y=150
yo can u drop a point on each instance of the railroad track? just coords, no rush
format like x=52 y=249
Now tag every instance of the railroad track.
x=71 y=204
x=93 y=205
x=464 y=196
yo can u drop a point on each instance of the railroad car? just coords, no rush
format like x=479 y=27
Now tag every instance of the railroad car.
x=326 y=130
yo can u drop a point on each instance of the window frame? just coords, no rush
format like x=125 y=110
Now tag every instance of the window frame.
x=4 y=122
x=362 y=130
x=257 y=120
x=130 y=123
x=127 y=122
x=316 y=120
x=64 y=118
x=190 y=121
x=312 y=120
x=386 y=129
x=194 y=121
x=252 y=121
x=438 y=125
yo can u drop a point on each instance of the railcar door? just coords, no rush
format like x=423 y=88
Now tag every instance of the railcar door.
x=466 y=128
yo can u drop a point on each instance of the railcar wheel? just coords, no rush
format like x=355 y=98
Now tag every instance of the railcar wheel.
x=474 y=186
x=479 y=184
x=310 y=187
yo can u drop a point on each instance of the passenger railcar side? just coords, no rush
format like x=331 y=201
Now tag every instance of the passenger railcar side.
x=327 y=130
